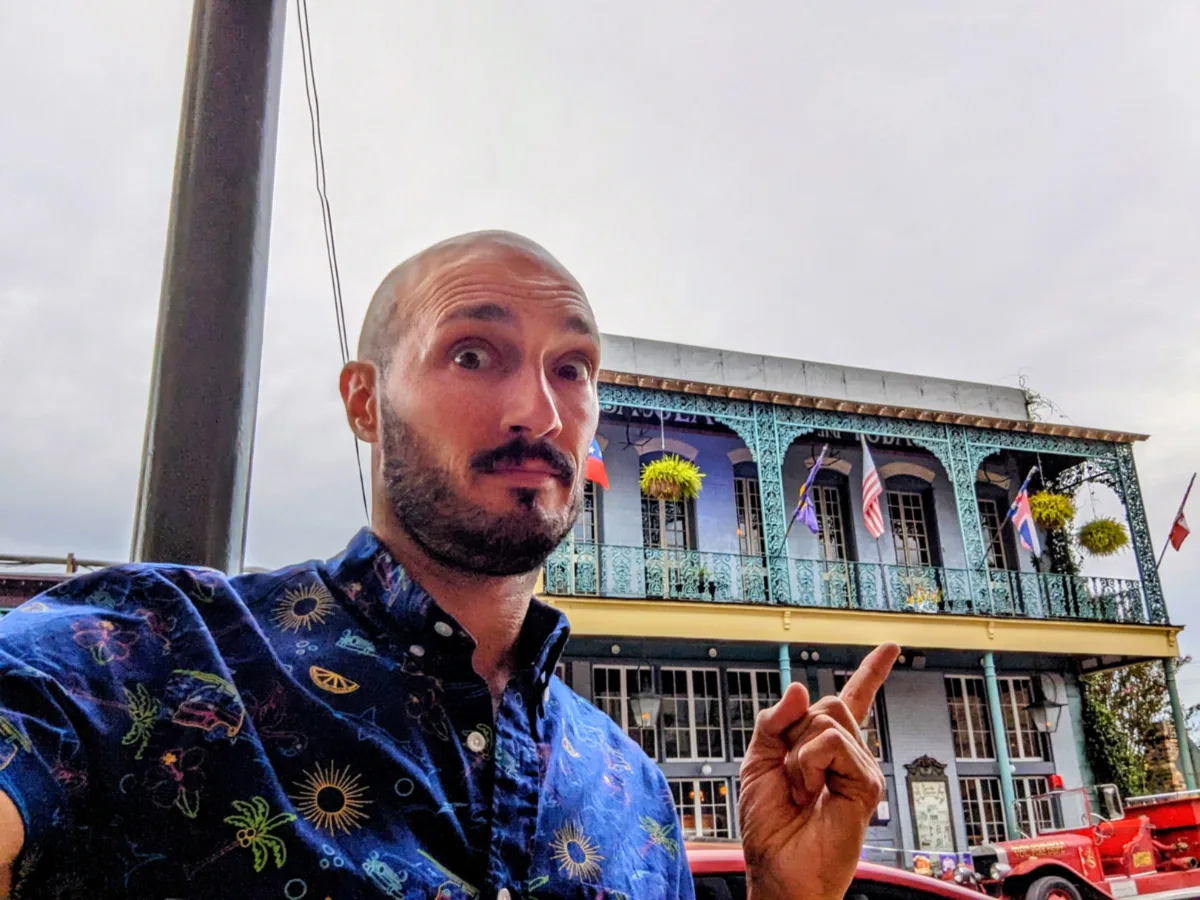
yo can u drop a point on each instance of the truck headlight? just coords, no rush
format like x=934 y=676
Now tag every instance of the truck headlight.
x=999 y=870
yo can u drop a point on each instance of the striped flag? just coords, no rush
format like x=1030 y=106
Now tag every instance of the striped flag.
x=1023 y=518
x=872 y=489
x=593 y=468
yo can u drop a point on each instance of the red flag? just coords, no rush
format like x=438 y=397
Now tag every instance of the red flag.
x=1179 y=531
x=1179 y=528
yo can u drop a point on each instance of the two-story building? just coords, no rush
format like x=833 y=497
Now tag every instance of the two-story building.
x=689 y=617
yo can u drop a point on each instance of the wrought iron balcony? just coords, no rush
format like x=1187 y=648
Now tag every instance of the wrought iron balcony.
x=606 y=570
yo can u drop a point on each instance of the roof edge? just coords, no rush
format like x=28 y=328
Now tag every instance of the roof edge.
x=1027 y=426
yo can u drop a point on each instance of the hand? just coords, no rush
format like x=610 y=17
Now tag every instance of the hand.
x=809 y=788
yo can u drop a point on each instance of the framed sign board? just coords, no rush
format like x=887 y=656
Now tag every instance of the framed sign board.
x=929 y=801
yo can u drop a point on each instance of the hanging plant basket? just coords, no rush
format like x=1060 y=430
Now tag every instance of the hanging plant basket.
x=1051 y=511
x=1103 y=537
x=671 y=478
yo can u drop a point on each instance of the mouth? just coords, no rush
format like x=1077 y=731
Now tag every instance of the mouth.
x=526 y=475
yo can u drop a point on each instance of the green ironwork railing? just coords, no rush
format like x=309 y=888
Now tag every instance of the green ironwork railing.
x=606 y=570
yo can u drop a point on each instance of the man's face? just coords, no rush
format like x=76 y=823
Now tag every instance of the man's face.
x=487 y=410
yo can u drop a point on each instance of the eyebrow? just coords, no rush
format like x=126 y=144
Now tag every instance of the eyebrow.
x=494 y=312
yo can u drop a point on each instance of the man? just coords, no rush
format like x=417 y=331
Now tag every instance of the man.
x=388 y=722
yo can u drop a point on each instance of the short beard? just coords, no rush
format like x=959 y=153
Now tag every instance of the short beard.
x=455 y=532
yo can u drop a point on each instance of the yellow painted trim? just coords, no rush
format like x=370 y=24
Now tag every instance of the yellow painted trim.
x=595 y=617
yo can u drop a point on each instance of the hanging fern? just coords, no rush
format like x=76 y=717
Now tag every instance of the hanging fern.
x=1051 y=511
x=671 y=478
x=1103 y=537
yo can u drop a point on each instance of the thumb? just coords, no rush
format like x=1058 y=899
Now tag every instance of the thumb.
x=772 y=723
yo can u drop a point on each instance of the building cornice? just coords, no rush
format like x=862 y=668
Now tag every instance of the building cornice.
x=1052 y=429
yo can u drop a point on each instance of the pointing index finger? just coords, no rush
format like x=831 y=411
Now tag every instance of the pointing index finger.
x=859 y=692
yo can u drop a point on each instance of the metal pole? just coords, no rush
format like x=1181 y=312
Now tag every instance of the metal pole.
x=785 y=666
x=1182 y=504
x=194 y=487
x=1001 y=740
x=1181 y=734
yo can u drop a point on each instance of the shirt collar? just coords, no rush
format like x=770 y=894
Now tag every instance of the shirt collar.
x=375 y=582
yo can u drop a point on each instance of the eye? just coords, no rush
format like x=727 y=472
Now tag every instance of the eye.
x=472 y=358
x=575 y=370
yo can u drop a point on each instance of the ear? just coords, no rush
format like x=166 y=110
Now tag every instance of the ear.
x=359 y=385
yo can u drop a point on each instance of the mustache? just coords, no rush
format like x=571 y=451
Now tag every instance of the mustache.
x=519 y=451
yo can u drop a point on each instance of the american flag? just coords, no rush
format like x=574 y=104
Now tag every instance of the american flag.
x=872 y=489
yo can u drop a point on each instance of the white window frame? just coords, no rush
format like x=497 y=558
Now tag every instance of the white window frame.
x=694 y=785
x=1018 y=718
x=995 y=534
x=878 y=711
x=758 y=705
x=988 y=827
x=624 y=700
x=691 y=701
x=987 y=724
x=1027 y=783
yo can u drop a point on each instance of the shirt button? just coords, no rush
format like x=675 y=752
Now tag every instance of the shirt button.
x=417 y=650
x=503 y=894
x=443 y=628
x=477 y=743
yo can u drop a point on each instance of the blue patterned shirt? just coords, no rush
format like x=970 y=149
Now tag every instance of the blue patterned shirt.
x=317 y=732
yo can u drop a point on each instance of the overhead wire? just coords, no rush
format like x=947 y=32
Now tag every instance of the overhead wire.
x=318 y=146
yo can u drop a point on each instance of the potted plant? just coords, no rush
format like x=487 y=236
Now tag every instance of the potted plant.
x=1051 y=511
x=671 y=478
x=1103 y=537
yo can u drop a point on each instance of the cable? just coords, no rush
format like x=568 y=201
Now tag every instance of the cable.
x=318 y=145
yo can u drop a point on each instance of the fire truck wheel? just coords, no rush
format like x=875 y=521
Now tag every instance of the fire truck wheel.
x=1052 y=888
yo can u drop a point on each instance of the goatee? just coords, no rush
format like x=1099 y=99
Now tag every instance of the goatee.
x=459 y=534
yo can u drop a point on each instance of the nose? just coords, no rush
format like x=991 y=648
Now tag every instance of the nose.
x=530 y=407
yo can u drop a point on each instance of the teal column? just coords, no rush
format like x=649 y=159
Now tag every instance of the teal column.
x=1181 y=735
x=785 y=666
x=768 y=454
x=1000 y=738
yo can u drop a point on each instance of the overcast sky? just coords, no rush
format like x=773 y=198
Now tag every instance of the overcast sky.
x=973 y=190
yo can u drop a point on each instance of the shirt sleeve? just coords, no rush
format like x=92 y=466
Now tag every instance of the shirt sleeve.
x=66 y=660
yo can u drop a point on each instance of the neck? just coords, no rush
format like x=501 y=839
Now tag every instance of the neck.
x=491 y=609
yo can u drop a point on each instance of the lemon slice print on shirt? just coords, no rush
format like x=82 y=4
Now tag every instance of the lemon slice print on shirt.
x=331 y=681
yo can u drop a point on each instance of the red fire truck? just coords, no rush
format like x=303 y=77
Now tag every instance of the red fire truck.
x=1148 y=848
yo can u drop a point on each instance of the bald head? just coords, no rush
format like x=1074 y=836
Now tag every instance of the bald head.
x=386 y=316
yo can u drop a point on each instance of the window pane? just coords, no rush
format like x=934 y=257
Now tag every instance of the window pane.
x=611 y=692
x=710 y=743
x=873 y=730
x=749 y=517
x=828 y=504
x=704 y=808
x=909 y=533
x=981 y=720
x=676 y=715
x=645 y=735
x=586 y=525
x=983 y=810
x=993 y=533
x=749 y=693
x=970 y=724
x=684 y=795
x=606 y=692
